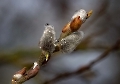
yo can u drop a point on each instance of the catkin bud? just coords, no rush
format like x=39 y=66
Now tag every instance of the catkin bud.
x=75 y=24
x=69 y=43
x=82 y=13
x=76 y=21
x=47 y=40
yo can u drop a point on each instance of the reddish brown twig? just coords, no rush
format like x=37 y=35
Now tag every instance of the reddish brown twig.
x=24 y=75
x=85 y=67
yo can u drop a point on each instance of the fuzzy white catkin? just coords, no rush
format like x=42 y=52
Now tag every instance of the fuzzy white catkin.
x=69 y=43
x=82 y=13
x=48 y=38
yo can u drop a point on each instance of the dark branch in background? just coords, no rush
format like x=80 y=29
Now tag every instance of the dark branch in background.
x=85 y=67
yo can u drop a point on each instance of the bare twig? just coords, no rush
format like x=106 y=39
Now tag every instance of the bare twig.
x=85 y=67
x=24 y=75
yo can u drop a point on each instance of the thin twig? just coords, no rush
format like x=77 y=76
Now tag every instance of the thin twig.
x=24 y=75
x=85 y=67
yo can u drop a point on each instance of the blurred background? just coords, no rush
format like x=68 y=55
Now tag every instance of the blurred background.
x=22 y=24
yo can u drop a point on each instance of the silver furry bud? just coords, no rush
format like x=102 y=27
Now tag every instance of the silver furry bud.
x=82 y=13
x=69 y=43
x=46 y=42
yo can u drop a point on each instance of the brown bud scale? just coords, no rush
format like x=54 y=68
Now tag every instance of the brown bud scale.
x=75 y=24
x=66 y=27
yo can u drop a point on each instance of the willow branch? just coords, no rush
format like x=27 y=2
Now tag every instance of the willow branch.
x=47 y=45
